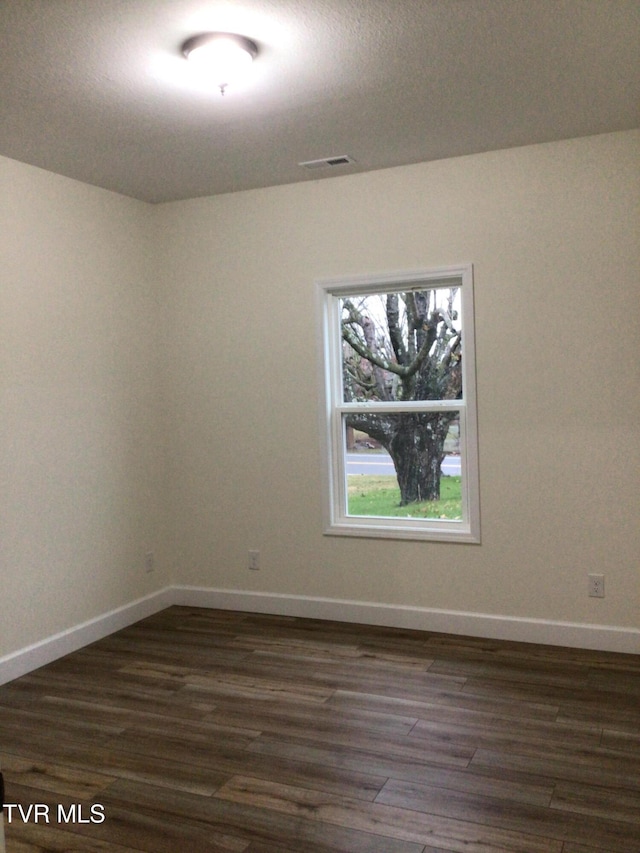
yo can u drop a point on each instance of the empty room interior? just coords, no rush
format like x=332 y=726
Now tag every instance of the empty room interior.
x=204 y=644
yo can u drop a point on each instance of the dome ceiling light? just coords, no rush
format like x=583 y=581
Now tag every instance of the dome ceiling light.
x=223 y=57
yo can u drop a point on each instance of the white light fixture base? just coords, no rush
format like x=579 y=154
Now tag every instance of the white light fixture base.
x=223 y=57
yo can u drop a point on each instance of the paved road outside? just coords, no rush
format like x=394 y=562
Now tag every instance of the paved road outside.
x=380 y=463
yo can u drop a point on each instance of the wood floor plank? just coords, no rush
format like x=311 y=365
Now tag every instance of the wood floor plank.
x=386 y=679
x=609 y=803
x=115 y=719
x=554 y=674
x=195 y=751
x=617 y=836
x=128 y=824
x=257 y=825
x=40 y=838
x=260 y=847
x=57 y=778
x=511 y=784
x=456 y=647
x=607 y=712
x=440 y=750
x=622 y=740
x=274 y=715
x=30 y=721
x=139 y=766
x=571 y=847
x=231 y=683
x=574 y=703
x=514 y=736
x=456 y=701
x=327 y=652
x=384 y=820
x=33 y=696
x=610 y=767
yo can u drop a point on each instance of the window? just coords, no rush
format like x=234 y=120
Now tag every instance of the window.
x=399 y=414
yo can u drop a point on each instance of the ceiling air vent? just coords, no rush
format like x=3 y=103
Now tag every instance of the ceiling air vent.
x=341 y=160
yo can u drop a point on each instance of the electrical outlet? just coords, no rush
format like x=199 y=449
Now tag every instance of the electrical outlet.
x=149 y=562
x=254 y=560
x=596 y=586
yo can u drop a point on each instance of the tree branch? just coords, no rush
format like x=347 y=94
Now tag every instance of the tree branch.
x=431 y=333
x=350 y=337
x=395 y=332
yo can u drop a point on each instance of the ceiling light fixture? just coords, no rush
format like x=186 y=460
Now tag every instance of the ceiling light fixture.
x=223 y=57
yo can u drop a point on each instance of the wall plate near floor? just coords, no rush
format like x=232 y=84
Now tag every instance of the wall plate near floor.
x=596 y=586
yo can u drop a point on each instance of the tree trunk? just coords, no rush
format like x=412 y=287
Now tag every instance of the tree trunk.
x=417 y=451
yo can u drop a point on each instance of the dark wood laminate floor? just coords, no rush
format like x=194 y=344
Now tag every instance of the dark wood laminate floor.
x=202 y=730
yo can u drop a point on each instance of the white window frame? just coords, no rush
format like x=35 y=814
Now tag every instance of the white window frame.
x=336 y=519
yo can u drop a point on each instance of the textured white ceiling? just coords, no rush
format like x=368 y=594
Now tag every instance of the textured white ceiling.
x=98 y=90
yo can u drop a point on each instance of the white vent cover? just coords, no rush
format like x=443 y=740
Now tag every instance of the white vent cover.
x=340 y=160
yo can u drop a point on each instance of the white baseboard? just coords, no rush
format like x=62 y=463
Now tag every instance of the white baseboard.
x=574 y=635
x=50 y=649
x=547 y=632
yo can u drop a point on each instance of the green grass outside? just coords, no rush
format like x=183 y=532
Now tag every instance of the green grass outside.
x=380 y=496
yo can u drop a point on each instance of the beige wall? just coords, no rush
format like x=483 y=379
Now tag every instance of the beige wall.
x=552 y=231
x=160 y=387
x=81 y=450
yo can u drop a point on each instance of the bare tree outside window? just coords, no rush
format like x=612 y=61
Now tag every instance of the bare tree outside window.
x=400 y=347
